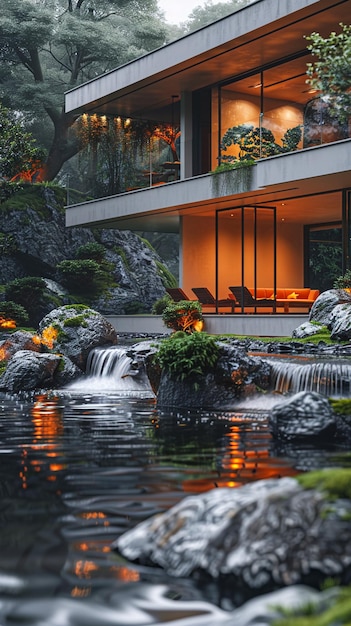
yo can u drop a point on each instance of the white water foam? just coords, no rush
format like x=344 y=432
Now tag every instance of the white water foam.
x=109 y=370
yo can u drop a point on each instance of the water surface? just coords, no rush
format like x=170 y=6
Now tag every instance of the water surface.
x=79 y=467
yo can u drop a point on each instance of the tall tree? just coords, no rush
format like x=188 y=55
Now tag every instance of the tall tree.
x=331 y=72
x=210 y=12
x=49 y=46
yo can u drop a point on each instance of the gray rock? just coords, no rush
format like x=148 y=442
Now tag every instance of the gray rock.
x=325 y=303
x=307 y=329
x=235 y=375
x=340 y=322
x=19 y=340
x=306 y=414
x=29 y=370
x=40 y=240
x=260 y=537
x=267 y=609
x=79 y=331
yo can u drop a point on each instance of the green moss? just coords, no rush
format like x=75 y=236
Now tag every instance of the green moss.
x=76 y=307
x=74 y=322
x=337 y=615
x=121 y=252
x=61 y=365
x=341 y=406
x=33 y=197
x=168 y=279
x=335 y=482
x=3 y=365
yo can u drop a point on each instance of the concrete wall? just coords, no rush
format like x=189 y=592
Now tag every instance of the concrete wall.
x=257 y=325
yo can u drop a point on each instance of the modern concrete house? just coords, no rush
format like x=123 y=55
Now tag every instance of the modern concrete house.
x=236 y=88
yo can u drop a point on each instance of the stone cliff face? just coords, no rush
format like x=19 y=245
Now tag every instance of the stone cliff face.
x=34 y=239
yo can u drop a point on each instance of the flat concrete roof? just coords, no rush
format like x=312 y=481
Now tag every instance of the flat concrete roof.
x=249 y=38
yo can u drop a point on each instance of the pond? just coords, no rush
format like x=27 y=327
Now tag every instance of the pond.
x=80 y=466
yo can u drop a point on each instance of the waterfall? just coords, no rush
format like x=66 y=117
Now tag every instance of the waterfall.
x=110 y=369
x=330 y=378
x=108 y=362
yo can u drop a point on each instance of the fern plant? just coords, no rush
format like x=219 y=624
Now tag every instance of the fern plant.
x=185 y=356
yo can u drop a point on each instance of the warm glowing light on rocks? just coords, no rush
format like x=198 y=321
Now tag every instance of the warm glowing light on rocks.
x=7 y=323
x=3 y=354
x=47 y=337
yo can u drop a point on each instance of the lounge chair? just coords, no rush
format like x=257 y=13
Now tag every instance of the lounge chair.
x=206 y=298
x=177 y=294
x=245 y=299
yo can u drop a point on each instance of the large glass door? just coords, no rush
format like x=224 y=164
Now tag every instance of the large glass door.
x=246 y=249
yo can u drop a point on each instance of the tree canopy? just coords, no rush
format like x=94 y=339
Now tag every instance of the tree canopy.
x=49 y=46
x=331 y=72
x=19 y=155
x=210 y=12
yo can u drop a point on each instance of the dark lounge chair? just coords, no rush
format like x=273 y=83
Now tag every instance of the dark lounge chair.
x=245 y=299
x=177 y=294
x=206 y=298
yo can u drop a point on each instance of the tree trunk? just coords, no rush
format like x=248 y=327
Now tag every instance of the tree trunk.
x=63 y=147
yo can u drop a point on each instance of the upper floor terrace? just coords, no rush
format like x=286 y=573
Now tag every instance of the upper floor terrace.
x=233 y=90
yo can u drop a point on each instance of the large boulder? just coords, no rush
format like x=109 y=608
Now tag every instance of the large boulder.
x=78 y=330
x=28 y=370
x=259 y=537
x=322 y=308
x=340 y=322
x=306 y=414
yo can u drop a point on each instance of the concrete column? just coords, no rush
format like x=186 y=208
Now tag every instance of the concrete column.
x=186 y=139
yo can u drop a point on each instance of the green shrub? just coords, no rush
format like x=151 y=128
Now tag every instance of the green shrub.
x=344 y=281
x=82 y=275
x=92 y=250
x=159 y=306
x=185 y=356
x=185 y=315
x=27 y=292
x=12 y=310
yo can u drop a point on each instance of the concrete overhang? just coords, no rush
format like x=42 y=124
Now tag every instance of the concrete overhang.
x=252 y=37
x=316 y=170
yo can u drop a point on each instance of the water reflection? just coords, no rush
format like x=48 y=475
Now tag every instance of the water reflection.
x=79 y=469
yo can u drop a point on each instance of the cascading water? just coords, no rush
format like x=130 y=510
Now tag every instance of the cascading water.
x=110 y=369
x=330 y=378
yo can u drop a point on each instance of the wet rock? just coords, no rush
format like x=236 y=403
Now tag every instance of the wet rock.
x=29 y=370
x=306 y=414
x=340 y=322
x=19 y=340
x=235 y=375
x=267 y=609
x=79 y=330
x=257 y=538
x=322 y=307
